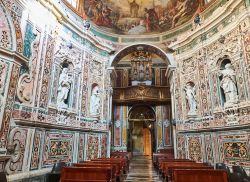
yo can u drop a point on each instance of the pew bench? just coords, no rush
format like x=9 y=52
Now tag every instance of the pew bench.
x=199 y=175
x=89 y=164
x=83 y=174
x=170 y=170
x=118 y=164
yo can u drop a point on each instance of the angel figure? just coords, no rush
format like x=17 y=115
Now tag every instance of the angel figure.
x=190 y=96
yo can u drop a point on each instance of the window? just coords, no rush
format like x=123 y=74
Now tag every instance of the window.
x=73 y=3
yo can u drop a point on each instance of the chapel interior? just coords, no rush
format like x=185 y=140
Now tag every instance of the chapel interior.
x=124 y=90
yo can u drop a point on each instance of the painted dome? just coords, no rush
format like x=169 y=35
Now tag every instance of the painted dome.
x=140 y=17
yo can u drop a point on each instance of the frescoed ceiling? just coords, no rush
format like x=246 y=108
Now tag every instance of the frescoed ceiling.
x=137 y=17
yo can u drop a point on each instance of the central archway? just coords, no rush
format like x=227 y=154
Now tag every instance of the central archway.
x=141 y=130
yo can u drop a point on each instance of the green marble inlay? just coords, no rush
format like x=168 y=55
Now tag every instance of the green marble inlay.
x=214 y=30
x=175 y=33
x=218 y=4
x=84 y=42
x=28 y=39
x=146 y=39
x=102 y=35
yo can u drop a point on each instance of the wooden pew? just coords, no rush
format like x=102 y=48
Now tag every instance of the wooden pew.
x=124 y=161
x=156 y=156
x=199 y=175
x=163 y=164
x=170 y=170
x=128 y=155
x=119 y=167
x=89 y=164
x=172 y=164
x=86 y=174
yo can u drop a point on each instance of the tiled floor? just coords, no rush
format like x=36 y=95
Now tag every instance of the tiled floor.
x=142 y=169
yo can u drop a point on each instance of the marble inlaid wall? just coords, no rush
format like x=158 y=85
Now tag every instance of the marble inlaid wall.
x=217 y=129
x=36 y=128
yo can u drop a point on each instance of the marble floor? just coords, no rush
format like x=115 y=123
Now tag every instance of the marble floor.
x=142 y=169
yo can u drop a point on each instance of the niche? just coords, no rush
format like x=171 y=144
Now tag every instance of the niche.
x=95 y=101
x=228 y=84
x=65 y=82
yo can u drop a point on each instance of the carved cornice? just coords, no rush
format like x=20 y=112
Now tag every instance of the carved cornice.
x=142 y=93
x=13 y=55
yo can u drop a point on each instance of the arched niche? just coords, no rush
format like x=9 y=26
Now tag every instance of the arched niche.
x=10 y=31
x=227 y=82
x=95 y=101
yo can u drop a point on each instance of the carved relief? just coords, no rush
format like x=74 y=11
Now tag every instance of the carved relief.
x=17 y=141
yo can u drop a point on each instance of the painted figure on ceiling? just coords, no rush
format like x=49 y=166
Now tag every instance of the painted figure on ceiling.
x=104 y=19
x=228 y=84
x=134 y=8
x=190 y=95
x=151 y=20
x=95 y=9
x=63 y=89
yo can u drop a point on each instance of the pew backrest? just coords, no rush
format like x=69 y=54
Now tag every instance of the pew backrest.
x=82 y=174
x=199 y=175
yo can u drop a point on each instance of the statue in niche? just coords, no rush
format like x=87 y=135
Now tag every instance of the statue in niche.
x=63 y=89
x=228 y=84
x=190 y=96
x=95 y=101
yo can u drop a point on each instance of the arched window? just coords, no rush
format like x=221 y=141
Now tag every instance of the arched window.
x=73 y=3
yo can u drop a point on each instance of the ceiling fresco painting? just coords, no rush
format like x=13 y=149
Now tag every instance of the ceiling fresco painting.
x=140 y=16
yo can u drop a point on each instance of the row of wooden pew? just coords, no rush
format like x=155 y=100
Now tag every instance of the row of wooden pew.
x=112 y=169
x=185 y=170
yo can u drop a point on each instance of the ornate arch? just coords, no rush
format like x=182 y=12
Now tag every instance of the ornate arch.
x=146 y=47
x=13 y=13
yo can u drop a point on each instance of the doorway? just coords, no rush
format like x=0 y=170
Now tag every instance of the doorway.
x=141 y=138
x=147 y=142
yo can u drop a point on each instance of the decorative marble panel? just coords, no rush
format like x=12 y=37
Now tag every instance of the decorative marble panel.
x=104 y=145
x=15 y=12
x=92 y=146
x=209 y=148
x=181 y=149
x=234 y=148
x=9 y=105
x=195 y=148
x=28 y=39
x=36 y=150
x=81 y=147
x=5 y=31
x=58 y=146
x=4 y=75
x=85 y=85
x=46 y=72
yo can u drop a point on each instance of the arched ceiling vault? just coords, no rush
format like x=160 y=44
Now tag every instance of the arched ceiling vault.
x=145 y=47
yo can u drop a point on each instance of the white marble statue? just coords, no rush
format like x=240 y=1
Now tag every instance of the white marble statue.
x=63 y=89
x=228 y=84
x=190 y=96
x=95 y=101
